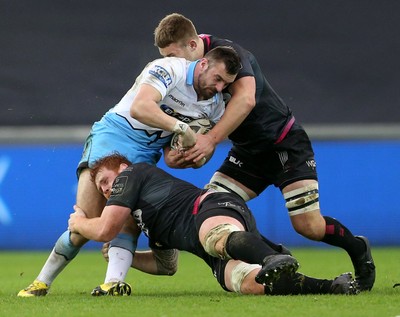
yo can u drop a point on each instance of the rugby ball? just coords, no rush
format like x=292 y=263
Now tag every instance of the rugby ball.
x=199 y=126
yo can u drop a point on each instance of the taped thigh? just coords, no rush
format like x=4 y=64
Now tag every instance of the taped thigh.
x=221 y=184
x=302 y=200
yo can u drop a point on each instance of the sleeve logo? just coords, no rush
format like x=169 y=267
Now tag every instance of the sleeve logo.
x=162 y=75
x=119 y=185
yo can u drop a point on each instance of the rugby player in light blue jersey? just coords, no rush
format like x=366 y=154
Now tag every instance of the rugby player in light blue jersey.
x=167 y=95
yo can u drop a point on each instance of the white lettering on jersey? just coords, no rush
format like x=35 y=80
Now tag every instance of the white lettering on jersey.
x=137 y=216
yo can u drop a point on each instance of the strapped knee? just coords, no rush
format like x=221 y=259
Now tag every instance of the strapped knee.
x=124 y=241
x=302 y=200
x=219 y=232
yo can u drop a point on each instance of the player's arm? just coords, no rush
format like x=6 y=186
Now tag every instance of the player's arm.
x=243 y=100
x=103 y=228
x=145 y=109
x=243 y=92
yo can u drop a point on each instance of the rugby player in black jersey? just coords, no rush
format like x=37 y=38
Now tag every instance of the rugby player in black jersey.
x=217 y=227
x=269 y=146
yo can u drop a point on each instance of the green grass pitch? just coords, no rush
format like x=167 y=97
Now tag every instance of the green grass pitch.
x=192 y=291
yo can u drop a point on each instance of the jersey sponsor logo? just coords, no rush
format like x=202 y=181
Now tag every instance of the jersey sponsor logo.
x=176 y=100
x=119 y=185
x=5 y=215
x=312 y=164
x=171 y=112
x=235 y=161
x=283 y=158
x=137 y=216
x=161 y=74
x=227 y=204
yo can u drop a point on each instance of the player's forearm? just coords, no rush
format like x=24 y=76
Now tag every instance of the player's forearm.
x=149 y=113
x=93 y=229
x=157 y=262
x=144 y=261
x=233 y=116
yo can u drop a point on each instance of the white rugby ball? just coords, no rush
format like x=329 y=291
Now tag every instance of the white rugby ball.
x=201 y=126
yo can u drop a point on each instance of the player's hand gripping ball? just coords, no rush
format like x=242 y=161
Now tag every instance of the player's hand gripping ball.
x=199 y=126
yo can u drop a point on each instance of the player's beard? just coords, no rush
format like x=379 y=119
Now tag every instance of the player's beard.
x=204 y=91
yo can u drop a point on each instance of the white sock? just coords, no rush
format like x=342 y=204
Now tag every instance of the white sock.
x=54 y=265
x=119 y=262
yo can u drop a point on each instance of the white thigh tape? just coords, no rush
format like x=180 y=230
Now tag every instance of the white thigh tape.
x=302 y=200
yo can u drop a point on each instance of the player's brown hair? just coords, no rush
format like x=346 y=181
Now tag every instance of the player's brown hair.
x=174 y=28
x=226 y=55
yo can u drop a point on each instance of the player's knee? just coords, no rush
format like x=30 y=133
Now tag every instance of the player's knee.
x=310 y=228
x=215 y=240
x=77 y=240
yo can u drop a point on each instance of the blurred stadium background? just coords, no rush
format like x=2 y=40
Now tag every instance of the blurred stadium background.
x=335 y=63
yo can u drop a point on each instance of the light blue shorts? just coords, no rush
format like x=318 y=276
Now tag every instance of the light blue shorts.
x=113 y=134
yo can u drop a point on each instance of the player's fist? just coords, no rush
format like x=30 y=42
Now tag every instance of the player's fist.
x=186 y=136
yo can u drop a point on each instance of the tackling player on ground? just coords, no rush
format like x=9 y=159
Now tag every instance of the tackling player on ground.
x=217 y=227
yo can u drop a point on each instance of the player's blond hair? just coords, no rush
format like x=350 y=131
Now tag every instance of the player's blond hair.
x=174 y=28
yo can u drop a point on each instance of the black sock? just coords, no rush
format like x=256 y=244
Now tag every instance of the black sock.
x=338 y=235
x=299 y=284
x=247 y=247
x=276 y=247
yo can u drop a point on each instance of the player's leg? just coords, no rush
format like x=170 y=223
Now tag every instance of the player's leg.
x=302 y=201
x=120 y=256
x=299 y=186
x=154 y=261
x=68 y=244
x=243 y=180
x=222 y=234
x=240 y=278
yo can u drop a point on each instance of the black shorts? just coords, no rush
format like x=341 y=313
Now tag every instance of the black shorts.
x=223 y=204
x=278 y=164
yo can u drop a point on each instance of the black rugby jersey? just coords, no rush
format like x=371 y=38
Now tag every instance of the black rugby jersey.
x=271 y=118
x=161 y=205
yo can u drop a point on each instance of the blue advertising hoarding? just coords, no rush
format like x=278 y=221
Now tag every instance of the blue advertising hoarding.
x=357 y=186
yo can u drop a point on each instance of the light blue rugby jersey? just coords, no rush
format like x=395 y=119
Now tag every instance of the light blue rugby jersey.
x=117 y=131
x=173 y=77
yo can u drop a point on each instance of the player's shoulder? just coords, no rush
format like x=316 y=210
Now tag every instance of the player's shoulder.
x=171 y=67
x=140 y=166
x=170 y=62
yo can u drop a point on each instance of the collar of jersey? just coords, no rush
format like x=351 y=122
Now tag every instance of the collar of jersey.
x=190 y=73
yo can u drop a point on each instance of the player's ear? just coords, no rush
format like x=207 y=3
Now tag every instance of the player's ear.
x=203 y=63
x=122 y=166
x=192 y=45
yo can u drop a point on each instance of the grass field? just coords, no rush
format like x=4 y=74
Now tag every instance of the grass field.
x=192 y=291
